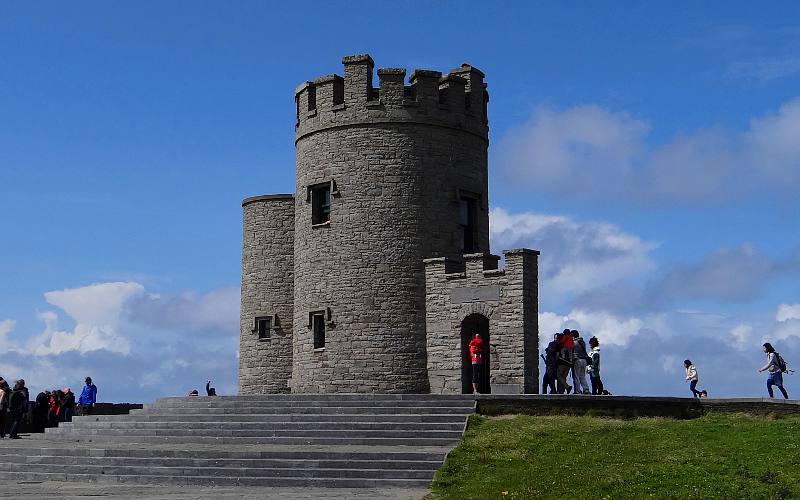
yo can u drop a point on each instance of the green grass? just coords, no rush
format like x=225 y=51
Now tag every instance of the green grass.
x=715 y=456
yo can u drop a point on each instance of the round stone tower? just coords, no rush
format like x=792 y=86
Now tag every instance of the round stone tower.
x=386 y=177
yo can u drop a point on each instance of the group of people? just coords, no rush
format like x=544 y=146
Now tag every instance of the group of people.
x=48 y=409
x=210 y=391
x=568 y=354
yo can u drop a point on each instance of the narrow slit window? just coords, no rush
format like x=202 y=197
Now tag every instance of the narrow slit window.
x=263 y=327
x=321 y=204
x=467 y=221
x=312 y=97
x=318 y=326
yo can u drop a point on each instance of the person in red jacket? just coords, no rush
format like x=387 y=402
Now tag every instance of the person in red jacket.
x=477 y=349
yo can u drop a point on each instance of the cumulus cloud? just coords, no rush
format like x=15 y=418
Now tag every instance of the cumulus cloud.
x=787 y=312
x=136 y=344
x=216 y=311
x=576 y=256
x=605 y=154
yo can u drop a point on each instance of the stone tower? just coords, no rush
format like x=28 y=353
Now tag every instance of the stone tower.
x=333 y=279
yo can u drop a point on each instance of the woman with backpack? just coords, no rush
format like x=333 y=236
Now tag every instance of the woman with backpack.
x=692 y=378
x=776 y=366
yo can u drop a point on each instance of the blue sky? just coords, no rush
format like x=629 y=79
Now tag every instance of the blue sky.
x=650 y=152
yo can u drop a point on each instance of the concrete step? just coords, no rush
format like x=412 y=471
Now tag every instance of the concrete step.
x=229 y=440
x=317 y=410
x=298 y=433
x=227 y=425
x=397 y=454
x=261 y=472
x=296 y=482
x=276 y=417
x=328 y=397
x=222 y=463
x=222 y=403
x=350 y=440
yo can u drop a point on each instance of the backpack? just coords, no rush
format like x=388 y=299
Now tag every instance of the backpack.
x=781 y=363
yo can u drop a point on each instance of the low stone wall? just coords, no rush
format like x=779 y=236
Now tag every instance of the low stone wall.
x=629 y=406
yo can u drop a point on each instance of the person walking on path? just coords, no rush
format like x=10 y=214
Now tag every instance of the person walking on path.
x=564 y=364
x=5 y=394
x=476 y=353
x=580 y=359
x=88 y=397
x=17 y=405
x=692 y=377
x=550 y=358
x=594 y=367
x=775 y=366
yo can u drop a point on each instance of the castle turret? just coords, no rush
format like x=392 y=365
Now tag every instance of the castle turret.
x=265 y=353
x=386 y=177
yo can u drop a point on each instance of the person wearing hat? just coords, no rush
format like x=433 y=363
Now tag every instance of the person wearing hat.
x=88 y=397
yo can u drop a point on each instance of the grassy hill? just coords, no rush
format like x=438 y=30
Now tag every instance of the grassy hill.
x=716 y=456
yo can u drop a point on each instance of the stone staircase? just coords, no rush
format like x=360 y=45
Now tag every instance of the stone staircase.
x=341 y=440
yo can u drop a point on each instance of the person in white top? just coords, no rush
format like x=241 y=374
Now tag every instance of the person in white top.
x=692 y=377
x=775 y=376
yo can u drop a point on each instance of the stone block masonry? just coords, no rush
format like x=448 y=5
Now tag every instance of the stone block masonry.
x=265 y=364
x=504 y=302
x=386 y=177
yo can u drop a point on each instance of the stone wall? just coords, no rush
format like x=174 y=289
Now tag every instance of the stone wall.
x=398 y=159
x=265 y=366
x=508 y=298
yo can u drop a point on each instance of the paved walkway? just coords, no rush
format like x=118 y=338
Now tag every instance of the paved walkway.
x=81 y=491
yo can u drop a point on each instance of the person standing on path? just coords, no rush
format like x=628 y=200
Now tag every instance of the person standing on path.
x=17 y=406
x=564 y=362
x=88 y=397
x=550 y=359
x=580 y=359
x=692 y=377
x=775 y=369
x=476 y=353
x=594 y=367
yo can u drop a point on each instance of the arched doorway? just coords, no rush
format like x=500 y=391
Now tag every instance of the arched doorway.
x=472 y=324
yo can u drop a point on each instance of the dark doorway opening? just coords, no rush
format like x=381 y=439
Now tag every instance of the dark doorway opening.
x=472 y=324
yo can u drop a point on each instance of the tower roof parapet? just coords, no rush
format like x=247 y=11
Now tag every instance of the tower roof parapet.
x=455 y=100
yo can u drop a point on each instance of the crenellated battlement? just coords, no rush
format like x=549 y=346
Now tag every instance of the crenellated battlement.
x=456 y=100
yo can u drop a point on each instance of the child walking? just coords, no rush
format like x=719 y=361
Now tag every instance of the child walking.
x=692 y=378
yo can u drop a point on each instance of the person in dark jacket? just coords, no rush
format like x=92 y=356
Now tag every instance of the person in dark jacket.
x=68 y=405
x=5 y=394
x=17 y=405
x=210 y=391
x=41 y=410
x=88 y=397
x=550 y=358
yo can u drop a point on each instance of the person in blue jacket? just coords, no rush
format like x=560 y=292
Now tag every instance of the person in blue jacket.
x=88 y=397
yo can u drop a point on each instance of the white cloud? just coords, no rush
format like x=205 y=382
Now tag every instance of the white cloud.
x=765 y=70
x=604 y=154
x=576 y=256
x=742 y=335
x=6 y=327
x=787 y=312
x=135 y=344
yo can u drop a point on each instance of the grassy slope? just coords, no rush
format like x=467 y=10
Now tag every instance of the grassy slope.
x=716 y=456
